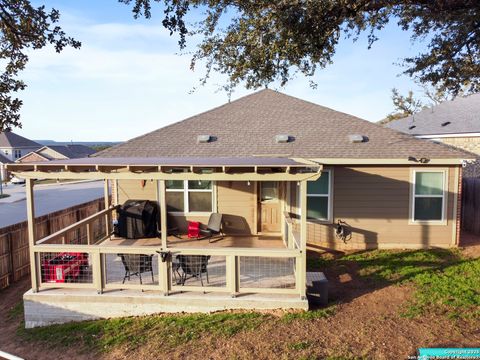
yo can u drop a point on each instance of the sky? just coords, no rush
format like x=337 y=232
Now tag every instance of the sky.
x=128 y=78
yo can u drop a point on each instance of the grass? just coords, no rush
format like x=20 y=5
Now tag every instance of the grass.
x=301 y=345
x=444 y=281
x=309 y=315
x=171 y=330
x=16 y=311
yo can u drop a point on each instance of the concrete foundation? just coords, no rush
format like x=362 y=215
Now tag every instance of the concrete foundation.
x=56 y=306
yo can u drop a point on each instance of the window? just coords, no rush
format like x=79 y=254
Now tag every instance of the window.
x=18 y=154
x=319 y=197
x=189 y=196
x=269 y=191
x=428 y=195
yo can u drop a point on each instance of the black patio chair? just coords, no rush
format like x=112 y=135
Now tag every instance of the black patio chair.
x=214 y=227
x=136 y=264
x=193 y=266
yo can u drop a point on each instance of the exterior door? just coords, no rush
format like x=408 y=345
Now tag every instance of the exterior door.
x=269 y=207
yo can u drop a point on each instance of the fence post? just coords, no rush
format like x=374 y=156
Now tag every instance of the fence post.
x=164 y=275
x=232 y=274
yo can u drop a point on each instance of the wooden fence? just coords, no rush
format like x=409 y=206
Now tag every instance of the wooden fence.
x=14 y=255
x=471 y=205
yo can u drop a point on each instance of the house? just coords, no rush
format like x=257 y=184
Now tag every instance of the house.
x=57 y=152
x=456 y=123
x=286 y=174
x=13 y=146
x=3 y=169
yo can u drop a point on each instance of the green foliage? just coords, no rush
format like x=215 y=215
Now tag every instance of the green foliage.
x=171 y=330
x=23 y=27
x=309 y=315
x=399 y=266
x=259 y=42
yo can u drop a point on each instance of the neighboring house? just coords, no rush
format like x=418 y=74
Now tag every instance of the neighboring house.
x=456 y=123
x=286 y=174
x=3 y=170
x=57 y=152
x=13 y=146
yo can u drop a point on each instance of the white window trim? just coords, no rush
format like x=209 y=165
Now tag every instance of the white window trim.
x=329 y=218
x=444 y=197
x=186 y=204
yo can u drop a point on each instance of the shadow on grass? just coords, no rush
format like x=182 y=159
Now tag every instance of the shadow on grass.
x=443 y=280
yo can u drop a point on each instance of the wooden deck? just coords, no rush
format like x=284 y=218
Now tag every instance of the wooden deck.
x=260 y=242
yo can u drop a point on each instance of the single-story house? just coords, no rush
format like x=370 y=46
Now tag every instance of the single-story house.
x=57 y=152
x=456 y=123
x=285 y=174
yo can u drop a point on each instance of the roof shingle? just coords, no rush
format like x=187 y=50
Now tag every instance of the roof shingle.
x=247 y=127
x=10 y=139
x=459 y=116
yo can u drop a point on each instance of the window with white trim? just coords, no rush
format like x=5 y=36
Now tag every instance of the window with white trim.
x=186 y=196
x=428 y=195
x=18 y=154
x=319 y=197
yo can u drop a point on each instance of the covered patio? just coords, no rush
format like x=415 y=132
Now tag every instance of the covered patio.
x=235 y=264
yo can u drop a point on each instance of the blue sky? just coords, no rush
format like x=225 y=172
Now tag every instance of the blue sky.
x=128 y=79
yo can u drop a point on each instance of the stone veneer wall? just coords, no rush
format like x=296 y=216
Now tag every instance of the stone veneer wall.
x=471 y=144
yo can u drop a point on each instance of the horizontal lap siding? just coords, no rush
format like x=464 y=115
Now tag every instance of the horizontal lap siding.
x=375 y=202
x=237 y=201
x=134 y=189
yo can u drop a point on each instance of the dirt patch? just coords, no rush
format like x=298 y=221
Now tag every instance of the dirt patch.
x=470 y=244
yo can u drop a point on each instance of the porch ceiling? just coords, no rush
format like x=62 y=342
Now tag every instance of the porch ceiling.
x=188 y=168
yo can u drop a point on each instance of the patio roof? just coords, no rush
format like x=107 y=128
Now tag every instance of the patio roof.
x=173 y=168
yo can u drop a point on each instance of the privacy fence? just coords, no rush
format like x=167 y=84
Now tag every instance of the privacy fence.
x=14 y=255
x=471 y=205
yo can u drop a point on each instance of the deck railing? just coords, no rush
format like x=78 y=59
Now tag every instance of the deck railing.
x=89 y=264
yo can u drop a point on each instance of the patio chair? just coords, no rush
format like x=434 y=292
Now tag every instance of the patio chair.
x=136 y=264
x=214 y=227
x=193 y=266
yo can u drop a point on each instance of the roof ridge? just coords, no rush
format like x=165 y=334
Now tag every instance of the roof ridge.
x=179 y=122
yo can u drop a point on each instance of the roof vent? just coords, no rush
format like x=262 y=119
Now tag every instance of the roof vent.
x=283 y=138
x=446 y=123
x=412 y=127
x=202 y=139
x=357 y=138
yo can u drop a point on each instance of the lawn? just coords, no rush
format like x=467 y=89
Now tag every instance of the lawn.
x=418 y=297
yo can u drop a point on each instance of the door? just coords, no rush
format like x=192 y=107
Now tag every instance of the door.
x=269 y=207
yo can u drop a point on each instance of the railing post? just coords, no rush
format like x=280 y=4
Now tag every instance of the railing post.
x=233 y=274
x=164 y=275
x=97 y=267
x=106 y=195
x=89 y=233
x=163 y=213
x=31 y=233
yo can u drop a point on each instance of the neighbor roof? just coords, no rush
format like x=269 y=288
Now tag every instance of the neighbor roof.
x=458 y=116
x=10 y=139
x=248 y=126
x=4 y=160
x=71 y=151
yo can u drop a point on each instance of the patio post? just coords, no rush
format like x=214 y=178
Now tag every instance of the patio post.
x=31 y=233
x=163 y=213
x=303 y=238
x=106 y=195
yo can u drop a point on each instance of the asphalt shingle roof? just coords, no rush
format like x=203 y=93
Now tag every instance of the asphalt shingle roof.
x=247 y=127
x=4 y=160
x=461 y=114
x=72 y=151
x=10 y=139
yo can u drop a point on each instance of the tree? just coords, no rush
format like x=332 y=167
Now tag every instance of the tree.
x=267 y=41
x=404 y=106
x=22 y=27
